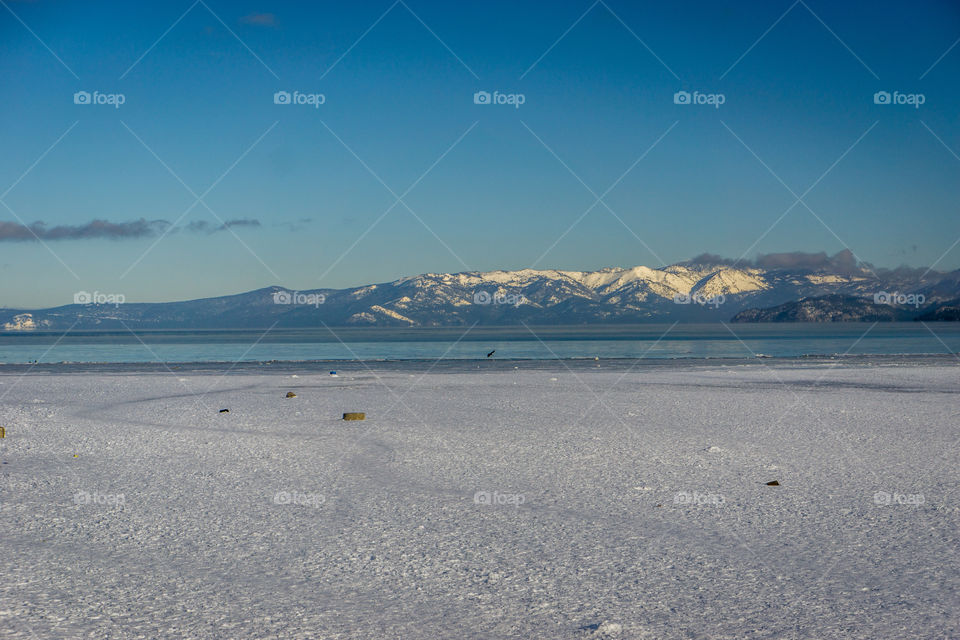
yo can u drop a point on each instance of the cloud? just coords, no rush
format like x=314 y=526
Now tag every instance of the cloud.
x=95 y=229
x=843 y=262
x=104 y=229
x=295 y=225
x=202 y=226
x=710 y=258
x=260 y=19
x=241 y=222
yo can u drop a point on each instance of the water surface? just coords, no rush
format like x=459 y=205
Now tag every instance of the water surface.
x=538 y=343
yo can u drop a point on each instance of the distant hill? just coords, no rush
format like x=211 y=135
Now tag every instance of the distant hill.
x=947 y=312
x=832 y=308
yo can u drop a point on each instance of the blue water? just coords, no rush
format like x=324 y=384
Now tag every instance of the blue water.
x=543 y=343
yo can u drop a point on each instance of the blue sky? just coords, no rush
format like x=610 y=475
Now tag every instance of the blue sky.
x=491 y=186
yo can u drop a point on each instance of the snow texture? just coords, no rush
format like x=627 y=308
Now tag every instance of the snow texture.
x=536 y=502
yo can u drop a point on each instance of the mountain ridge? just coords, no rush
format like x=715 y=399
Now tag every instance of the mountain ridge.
x=684 y=292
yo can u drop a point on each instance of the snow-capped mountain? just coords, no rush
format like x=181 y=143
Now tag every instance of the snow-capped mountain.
x=687 y=292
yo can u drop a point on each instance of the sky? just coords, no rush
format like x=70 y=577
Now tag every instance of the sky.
x=178 y=150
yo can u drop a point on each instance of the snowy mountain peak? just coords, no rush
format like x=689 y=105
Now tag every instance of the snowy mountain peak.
x=699 y=291
x=664 y=282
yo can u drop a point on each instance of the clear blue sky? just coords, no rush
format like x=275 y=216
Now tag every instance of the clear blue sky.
x=202 y=100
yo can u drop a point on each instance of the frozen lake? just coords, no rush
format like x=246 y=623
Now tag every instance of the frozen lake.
x=589 y=500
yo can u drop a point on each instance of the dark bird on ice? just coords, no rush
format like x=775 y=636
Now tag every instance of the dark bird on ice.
x=491 y=353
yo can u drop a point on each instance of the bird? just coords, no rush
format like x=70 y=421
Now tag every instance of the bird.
x=491 y=353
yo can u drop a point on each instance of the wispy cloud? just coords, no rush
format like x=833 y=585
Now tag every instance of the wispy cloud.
x=202 y=226
x=95 y=229
x=295 y=225
x=260 y=19
x=106 y=230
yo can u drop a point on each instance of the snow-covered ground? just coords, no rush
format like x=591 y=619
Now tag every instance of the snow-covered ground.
x=622 y=503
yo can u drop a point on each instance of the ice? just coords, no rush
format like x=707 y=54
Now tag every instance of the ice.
x=533 y=502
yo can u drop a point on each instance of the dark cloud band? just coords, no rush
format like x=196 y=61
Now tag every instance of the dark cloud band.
x=104 y=229
x=843 y=262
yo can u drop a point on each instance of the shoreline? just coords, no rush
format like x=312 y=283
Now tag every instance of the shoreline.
x=454 y=365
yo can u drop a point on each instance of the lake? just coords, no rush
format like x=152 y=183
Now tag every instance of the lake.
x=536 y=343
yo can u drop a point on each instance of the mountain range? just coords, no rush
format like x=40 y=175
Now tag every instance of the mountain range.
x=696 y=291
